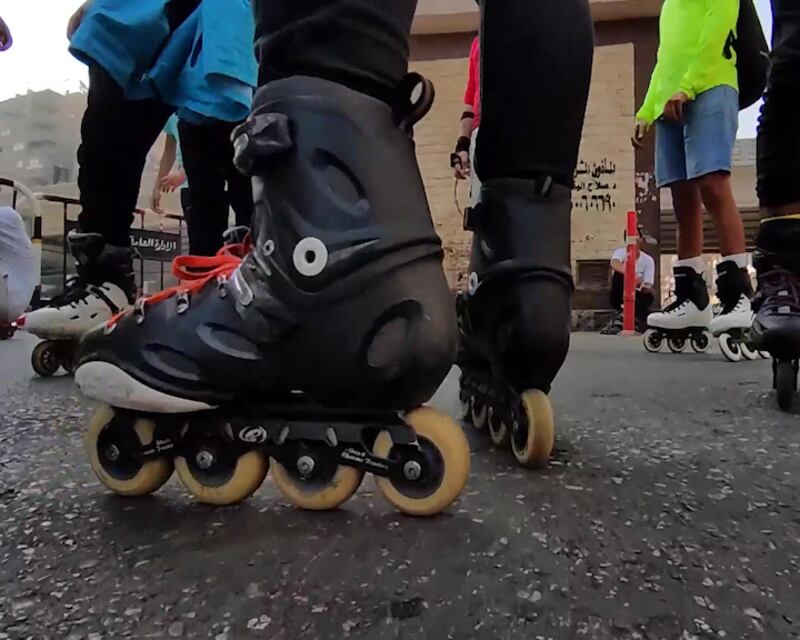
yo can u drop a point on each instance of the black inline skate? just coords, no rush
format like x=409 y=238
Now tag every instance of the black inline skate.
x=514 y=319
x=318 y=348
x=685 y=320
x=776 y=328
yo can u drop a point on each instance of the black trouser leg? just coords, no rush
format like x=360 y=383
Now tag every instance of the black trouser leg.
x=535 y=73
x=644 y=301
x=207 y=152
x=617 y=291
x=116 y=134
x=779 y=125
x=362 y=44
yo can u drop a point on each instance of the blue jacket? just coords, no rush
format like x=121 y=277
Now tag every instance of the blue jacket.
x=206 y=68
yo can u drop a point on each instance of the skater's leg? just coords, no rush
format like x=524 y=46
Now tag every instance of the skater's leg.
x=717 y=193
x=116 y=135
x=689 y=216
x=204 y=161
x=777 y=258
x=361 y=44
x=527 y=149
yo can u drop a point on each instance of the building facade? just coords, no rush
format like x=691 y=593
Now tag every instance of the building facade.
x=39 y=136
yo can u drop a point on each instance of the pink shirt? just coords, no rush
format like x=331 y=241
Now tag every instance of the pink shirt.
x=472 y=96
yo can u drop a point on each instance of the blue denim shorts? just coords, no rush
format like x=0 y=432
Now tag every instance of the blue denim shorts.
x=703 y=143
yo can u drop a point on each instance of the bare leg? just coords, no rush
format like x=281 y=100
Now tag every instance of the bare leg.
x=689 y=213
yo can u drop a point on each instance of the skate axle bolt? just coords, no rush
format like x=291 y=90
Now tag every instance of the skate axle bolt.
x=412 y=470
x=204 y=459
x=112 y=453
x=305 y=465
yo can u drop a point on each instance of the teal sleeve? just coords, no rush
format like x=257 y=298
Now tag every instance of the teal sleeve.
x=719 y=23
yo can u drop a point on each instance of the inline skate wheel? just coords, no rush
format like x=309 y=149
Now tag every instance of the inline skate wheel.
x=435 y=474
x=44 y=359
x=730 y=347
x=498 y=432
x=315 y=481
x=676 y=345
x=701 y=342
x=748 y=353
x=532 y=441
x=215 y=471
x=479 y=412
x=653 y=340
x=765 y=354
x=785 y=383
x=112 y=445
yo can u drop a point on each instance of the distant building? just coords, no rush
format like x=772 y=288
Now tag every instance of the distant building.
x=39 y=137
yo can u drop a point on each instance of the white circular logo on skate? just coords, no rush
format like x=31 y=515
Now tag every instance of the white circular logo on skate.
x=472 y=283
x=310 y=257
x=253 y=435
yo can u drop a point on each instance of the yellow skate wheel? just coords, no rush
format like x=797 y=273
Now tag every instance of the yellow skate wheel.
x=315 y=481
x=111 y=442
x=215 y=472
x=480 y=412
x=498 y=432
x=532 y=443
x=436 y=473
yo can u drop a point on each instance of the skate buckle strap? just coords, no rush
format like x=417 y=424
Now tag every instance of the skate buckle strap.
x=262 y=135
x=194 y=272
x=410 y=107
x=779 y=291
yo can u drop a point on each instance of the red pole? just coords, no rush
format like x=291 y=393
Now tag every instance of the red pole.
x=629 y=307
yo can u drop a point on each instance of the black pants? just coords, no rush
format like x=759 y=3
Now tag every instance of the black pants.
x=535 y=70
x=779 y=124
x=116 y=134
x=644 y=300
x=208 y=161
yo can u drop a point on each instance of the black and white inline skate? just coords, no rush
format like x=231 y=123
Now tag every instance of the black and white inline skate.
x=514 y=319
x=731 y=326
x=686 y=320
x=314 y=354
x=776 y=327
x=103 y=287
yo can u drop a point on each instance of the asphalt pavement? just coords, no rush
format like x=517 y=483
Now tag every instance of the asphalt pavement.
x=670 y=511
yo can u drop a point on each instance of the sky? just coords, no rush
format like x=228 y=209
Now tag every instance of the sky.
x=39 y=58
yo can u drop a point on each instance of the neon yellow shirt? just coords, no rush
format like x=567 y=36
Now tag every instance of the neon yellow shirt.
x=695 y=52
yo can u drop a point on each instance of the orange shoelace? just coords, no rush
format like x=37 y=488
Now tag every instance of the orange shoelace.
x=194 y=272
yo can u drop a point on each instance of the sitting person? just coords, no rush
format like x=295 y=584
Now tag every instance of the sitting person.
x=17 y=267
x=645 y=277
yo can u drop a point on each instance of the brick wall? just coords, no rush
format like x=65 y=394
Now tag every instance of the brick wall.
x=606 y=190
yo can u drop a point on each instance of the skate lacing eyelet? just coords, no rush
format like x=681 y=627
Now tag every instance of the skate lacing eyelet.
x=182 y=302
x=138 y=310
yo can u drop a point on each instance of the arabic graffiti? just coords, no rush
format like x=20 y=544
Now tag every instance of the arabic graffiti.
x=595 y=186
x=158 y=245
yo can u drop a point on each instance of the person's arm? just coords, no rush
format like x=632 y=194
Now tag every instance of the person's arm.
x=5 y=36
x=460 y=158
x=164 y=168
x=719 y=21
x=76 y=19
x=647 y=112
x=618 y=262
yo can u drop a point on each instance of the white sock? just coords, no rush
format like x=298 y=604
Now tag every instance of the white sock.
x=741 y=259
x=698 y=264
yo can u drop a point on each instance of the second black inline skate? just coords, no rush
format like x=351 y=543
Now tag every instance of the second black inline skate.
x=515 y=316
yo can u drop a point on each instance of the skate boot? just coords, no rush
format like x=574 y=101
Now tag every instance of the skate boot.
x=316 y=350
x=732 y=325
x=685 y=320
x=514 y=319
x=776 y=327
x=104 y=286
